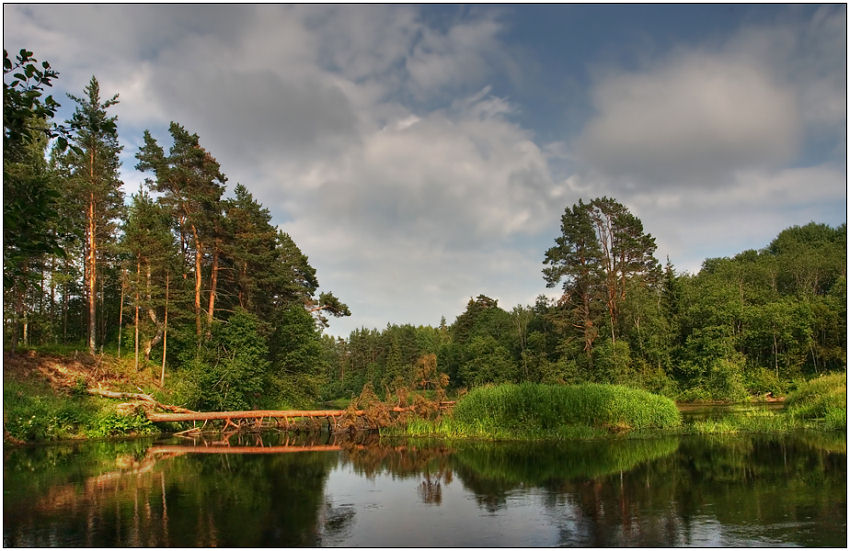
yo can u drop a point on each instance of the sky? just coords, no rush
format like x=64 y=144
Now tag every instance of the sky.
x=421 y=155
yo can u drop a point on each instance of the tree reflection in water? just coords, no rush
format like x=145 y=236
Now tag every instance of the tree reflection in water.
x=270 y=489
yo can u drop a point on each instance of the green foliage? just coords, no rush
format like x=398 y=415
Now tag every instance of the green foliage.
x=116 y=424
x=297 y=359
x=488 y=362
x=34 y=413
x=725 y=381
x=531 y=406
x=230 y=369
x=761 y=381
x=824 y=397
x=612 y=363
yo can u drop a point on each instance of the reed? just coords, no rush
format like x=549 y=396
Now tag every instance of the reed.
x=824 y=398
x=531 y=410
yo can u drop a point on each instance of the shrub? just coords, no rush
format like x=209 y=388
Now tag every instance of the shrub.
x=725 y=382
x=229 y=371
x=760 y=381
x=530 y=406
x=113 y=424
x=823 y=397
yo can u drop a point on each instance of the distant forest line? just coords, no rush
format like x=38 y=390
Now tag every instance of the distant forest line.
x=203 y=289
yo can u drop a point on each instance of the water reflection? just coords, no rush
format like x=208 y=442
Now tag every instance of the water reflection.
x=274 y=489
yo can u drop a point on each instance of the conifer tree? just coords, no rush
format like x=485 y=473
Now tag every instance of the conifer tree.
x=192 y=183
x=94 y=175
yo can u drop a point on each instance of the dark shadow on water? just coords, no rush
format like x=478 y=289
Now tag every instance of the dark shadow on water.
x=270 y=489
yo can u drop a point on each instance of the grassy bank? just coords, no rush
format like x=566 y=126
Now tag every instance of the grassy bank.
x=536 y=411
x=45 y=398
x=35 y=412
x=819 y=404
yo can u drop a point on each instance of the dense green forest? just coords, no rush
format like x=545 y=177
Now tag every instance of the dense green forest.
x=193 y=279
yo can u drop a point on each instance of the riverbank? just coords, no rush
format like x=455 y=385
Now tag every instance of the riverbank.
x=535 y=412
x=46 y=399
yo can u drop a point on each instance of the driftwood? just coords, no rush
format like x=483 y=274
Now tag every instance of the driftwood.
x=147 y=398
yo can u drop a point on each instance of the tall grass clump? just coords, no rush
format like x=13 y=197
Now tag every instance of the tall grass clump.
x=822 y=398
x=533 y=407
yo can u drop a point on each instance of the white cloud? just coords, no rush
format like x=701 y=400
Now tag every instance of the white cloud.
x=691 y=225
x=465 y=53
x=374 y=138
x=693 y=118
x=708 y=144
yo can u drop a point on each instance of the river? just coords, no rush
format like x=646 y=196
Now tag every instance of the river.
x=272 y=489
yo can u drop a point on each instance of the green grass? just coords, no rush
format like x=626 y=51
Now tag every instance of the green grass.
x=818 y=404
x=536 y=411
x=823 y=398
x=34 y=412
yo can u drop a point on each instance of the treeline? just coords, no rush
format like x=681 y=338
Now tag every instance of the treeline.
x=746 y=325
x=203 y=289
x=179 y=276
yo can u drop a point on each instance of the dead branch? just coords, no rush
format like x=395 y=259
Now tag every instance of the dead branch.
x=137 y=396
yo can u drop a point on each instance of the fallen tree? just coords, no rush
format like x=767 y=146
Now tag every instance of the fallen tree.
x=146 y=398
x=268 y=414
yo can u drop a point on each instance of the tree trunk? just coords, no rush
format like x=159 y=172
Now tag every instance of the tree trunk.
x=775 y=358
x=243 y=273
x=155 y=340
x=164 y=333
x=121 y=313
x=102 y=312
x=26 y=325
x=53 y=323
x=151 y=343
x=65 y=314
x=213 y=286
x=136 y=340
x=198 y=256
x=92 y=262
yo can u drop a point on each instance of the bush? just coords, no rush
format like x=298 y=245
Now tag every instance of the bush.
x=822 y=398
x=725 y=381
x=34 y=413
x=760 y=381
x=229 y=371
x=530 y=406
x=113 y=424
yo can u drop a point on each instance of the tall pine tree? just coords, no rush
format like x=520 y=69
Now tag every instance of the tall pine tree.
x=94 y=176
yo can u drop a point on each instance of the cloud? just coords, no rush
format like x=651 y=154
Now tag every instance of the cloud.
x=717 y=147
x=450 y=177
x=695 y=115
x=374 y=135
x=688 y=120
x=693 y=224
x=464 y=53
x=423 y=212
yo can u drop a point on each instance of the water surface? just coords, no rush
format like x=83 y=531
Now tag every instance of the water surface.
x=274 y=490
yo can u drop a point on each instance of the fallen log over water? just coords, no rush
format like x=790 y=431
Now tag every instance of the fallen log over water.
x=267 y=414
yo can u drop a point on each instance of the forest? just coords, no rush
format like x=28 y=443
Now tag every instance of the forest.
x=192 y=280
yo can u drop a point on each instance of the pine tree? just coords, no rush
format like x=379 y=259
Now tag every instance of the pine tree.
x=94 y=176
x=150 y=244
x=192 y=183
